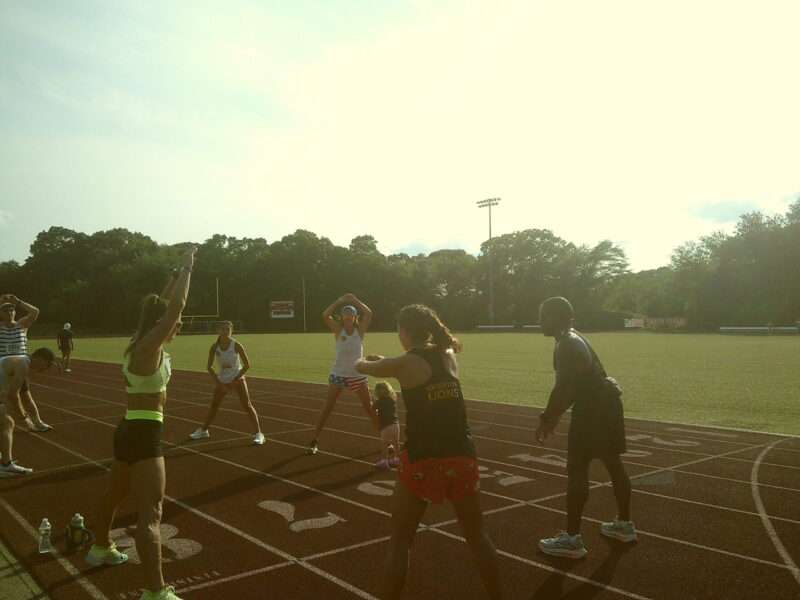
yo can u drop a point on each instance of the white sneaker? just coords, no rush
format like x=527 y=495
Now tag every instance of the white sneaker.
x=40 y=427
x=200 y=434
x=624 y=531
x=565 y=545
x=67 y=370
x=12 y=469
x=259 y=439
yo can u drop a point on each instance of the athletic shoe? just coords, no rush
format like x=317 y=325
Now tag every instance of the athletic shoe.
x=569 y=546
x=624 y=531
x=168 y=593
x=200 y=434
x=40 y=427
x=382 y=465
x=394 y=462
x=98 y=555
x=312 y=449
x=12 y=469
x=259 y=439
x=67 y=370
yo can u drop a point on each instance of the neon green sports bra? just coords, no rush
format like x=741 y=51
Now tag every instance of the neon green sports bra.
x=149 y=384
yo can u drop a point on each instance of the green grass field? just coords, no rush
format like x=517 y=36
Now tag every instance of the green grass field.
x=747 y=382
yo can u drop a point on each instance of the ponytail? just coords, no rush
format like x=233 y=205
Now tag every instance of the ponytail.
x=424 y=326
x=153 y=308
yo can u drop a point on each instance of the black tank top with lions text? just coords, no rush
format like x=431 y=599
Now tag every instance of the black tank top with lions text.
x=436 y=417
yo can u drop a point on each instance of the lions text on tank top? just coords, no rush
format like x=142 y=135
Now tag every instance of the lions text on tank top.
x=436 y=417
x=349 y=349
x=13 y=341
x=228 y=362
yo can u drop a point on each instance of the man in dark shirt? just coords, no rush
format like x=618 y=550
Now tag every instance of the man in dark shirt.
x=597 y=428
x=66 y=345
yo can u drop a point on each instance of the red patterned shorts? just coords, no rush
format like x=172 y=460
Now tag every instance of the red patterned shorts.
x=438 y=479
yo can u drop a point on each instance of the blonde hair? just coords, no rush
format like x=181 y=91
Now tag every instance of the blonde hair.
x=384 y=389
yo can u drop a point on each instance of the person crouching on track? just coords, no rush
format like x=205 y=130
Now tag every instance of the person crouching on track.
x=597 y=429
x=233 y=363
x=385 y=405
x=349 y=332
x=138 y=465
x=14 y=372
x=439 y=461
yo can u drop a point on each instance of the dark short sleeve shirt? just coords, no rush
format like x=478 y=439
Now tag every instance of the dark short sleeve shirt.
x=64 y=337
x=572 y=358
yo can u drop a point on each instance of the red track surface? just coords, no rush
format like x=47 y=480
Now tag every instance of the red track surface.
x=718 y=511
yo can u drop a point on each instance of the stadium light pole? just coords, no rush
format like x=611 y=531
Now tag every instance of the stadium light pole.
x=490 y=202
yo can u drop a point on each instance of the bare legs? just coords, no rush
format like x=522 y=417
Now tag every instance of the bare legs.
x=407 y=512
x=148 y=481
x=118 y=489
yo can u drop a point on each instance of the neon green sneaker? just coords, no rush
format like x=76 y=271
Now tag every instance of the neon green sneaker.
x=99 y=555
x=167 y=593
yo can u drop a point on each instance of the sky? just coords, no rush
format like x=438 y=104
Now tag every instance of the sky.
x=647 y=123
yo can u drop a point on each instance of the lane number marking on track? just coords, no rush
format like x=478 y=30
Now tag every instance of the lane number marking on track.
x=504 y=479
x=554 y=460
x=173 y=548
x=286 y=510
x=383 y=487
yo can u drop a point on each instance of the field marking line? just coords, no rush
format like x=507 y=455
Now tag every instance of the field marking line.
x=665 y=538
x=228 y=527
x=231 y=578
x=551 y=569
x=644 y=532
x=266 y=380
x=87 y=585
x=535 y=504
x=486 y=460
x=773 y=535
x=258 y=397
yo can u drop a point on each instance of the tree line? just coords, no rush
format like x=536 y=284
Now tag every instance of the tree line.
x=96 y=280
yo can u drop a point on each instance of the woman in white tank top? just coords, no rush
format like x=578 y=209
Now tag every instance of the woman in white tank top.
x=232 y=364
x=349 y=331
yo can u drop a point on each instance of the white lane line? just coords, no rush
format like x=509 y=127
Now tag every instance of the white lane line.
x=496 y=462
x=552 y=569
x=230 y=528
x=710 y=433
x=87 y=586
x=685 y=543
x=773 y=535
x=533 y=503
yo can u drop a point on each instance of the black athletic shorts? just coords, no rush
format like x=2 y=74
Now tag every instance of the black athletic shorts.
x=137 y=440
x=24 y=387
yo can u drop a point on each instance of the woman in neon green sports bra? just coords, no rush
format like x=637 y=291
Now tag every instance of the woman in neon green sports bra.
x=138 y=465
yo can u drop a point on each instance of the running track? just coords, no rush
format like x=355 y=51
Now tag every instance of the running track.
x=718 y=511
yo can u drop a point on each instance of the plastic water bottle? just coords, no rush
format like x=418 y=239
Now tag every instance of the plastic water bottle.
x=45 y=545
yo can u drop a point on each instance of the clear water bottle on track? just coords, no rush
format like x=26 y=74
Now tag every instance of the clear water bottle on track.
x=45 y=544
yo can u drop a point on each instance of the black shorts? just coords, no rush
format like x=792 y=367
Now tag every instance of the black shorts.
x=24 y=387
x=597 y=429
x=138 y=440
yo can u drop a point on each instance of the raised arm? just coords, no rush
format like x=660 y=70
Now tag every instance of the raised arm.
x=364 y=311
x=175 y=305
x=31 y=312
x=327 y=316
